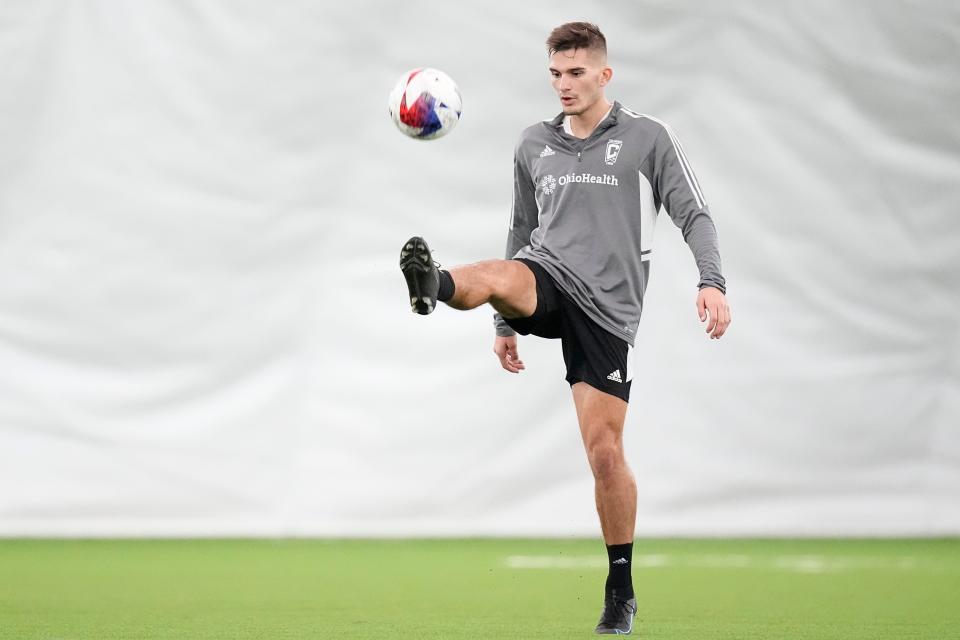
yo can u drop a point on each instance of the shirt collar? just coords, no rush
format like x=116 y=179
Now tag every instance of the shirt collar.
x=560 y=122
x=612 y=113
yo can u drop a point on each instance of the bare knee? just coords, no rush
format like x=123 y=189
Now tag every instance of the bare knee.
x=497 y=275
x=606 y=458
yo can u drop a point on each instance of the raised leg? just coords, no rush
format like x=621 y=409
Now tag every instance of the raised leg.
x=508 y=285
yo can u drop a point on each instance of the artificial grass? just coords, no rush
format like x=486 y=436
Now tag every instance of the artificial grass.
x=421 y=589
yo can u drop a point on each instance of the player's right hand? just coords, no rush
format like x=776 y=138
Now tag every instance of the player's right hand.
x=506 y=349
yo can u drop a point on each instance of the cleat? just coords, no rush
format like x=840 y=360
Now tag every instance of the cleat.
x=422 y=275
x=617 y=616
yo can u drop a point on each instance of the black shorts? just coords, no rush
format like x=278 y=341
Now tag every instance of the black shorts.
x=592 y=354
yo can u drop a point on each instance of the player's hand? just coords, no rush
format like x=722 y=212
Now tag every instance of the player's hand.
x=506 y=349
x=712 y=305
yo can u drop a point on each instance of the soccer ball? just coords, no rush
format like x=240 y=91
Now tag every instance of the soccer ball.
x=425 y=104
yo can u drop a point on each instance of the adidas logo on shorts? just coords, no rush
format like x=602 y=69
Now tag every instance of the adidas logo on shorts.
x=615 y=376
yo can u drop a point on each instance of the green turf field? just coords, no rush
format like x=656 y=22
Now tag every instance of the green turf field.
x=846 y=589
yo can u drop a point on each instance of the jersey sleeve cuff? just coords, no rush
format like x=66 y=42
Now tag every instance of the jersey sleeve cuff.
x=716 y=285
x=503 y=329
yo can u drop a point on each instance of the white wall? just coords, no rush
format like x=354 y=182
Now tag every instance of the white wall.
x=203 y=329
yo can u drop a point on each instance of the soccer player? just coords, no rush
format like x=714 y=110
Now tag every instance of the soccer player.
x=587 y=188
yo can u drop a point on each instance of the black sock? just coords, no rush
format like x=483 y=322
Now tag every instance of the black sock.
x=619 y=578
x=447 y=287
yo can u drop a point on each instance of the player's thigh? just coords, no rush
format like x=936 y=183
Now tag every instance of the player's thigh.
x=598 y=411
x=515 y=295
x=601 y=417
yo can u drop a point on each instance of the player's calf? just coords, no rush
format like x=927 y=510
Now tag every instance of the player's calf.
x=508 y=285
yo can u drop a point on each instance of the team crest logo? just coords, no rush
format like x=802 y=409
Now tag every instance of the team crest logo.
x=613 y=150
x=548 y=185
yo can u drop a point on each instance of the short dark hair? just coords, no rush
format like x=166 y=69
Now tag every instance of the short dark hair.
x=576 y=35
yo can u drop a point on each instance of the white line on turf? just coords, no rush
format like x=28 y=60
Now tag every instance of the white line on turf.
x=794 y=563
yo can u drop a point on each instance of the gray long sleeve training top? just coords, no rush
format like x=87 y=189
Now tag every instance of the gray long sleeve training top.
x=585 y=210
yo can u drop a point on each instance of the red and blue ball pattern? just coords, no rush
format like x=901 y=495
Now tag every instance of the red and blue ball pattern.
x=421 y=114
x=425 y=104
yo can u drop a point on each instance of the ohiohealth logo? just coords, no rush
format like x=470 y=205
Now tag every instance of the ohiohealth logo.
x=589 y=178
x=548 y=185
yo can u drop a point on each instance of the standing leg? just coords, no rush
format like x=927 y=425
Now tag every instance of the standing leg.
x=601 y=418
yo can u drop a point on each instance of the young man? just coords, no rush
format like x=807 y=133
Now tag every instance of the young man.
x=588 y=185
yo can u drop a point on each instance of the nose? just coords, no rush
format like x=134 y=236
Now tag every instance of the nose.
x=564 y=83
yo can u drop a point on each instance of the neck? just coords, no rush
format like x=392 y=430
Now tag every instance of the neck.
x=583 y=124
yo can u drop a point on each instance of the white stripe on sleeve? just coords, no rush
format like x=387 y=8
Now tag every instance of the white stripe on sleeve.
x=681 y=156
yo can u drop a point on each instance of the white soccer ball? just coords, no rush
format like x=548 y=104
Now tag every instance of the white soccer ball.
x=425 y=104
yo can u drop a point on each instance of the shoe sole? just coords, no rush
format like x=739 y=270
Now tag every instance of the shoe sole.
x=415 y=258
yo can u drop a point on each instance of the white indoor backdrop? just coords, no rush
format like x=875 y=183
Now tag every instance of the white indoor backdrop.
x=204 y=331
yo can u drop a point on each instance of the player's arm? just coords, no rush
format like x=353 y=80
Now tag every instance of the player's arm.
x=683 y=199
x=523 y=220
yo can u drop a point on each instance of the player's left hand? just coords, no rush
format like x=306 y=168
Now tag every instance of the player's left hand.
x=712 y=304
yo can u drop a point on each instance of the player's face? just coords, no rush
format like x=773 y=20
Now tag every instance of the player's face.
x=579 y=76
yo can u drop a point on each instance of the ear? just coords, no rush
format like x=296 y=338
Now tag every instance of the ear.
x=605 y=76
